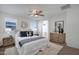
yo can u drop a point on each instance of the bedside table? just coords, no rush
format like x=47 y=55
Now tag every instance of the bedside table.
x=8 y=42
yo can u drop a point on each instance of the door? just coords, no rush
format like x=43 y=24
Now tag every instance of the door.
x=45 y=28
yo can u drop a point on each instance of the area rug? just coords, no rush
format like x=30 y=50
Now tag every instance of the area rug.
x=11 y=51
x=51 y=49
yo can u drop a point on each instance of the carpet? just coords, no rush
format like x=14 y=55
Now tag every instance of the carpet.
x=51 y=49
x=11 y=51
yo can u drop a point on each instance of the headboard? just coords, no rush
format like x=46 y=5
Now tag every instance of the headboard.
x=26 y=33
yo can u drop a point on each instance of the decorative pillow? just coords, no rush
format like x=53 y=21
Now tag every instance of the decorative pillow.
x=30 y=33
x=23 y=34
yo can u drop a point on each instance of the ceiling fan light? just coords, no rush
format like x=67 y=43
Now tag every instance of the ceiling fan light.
x=36 y=15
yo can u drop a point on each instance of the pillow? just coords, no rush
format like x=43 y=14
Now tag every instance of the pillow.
x=23 y=34
x=30 y=33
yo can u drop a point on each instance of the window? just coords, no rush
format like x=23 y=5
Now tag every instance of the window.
x=34 y=24
x=10 y=24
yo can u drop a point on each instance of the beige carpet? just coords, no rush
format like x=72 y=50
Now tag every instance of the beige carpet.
x=51 y=49
x=11 y=51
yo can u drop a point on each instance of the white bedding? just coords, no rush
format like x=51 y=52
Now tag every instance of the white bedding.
x=31 y=47
x=17 y=39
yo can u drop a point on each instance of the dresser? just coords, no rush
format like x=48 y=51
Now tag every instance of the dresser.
x=57 y=38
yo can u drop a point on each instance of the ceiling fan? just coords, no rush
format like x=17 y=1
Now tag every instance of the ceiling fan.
x=36 y=13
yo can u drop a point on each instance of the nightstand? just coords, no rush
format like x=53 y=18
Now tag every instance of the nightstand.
x=8 y=42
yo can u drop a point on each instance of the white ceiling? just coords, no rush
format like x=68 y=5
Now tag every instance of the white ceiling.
x=24 y=9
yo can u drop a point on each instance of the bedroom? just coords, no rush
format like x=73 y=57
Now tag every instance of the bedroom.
x=16 y=19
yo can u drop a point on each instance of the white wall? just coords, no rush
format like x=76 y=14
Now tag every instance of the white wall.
x=60 y=17
x=40 y=28
x=72 y=29
x=43 y=29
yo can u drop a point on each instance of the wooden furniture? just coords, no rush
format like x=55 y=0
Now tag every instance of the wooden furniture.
x=57 y=38
x=8 y=42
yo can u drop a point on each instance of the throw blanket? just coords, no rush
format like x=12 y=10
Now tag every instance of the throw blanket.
x=29 y=40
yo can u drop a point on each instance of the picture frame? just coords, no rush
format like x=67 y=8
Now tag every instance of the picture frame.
x=59 y=26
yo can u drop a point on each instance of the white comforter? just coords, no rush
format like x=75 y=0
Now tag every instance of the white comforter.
x=31 y=47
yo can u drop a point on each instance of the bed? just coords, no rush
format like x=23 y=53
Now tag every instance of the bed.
x=30 y=45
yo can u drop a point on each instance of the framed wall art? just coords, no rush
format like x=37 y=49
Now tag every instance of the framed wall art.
x=59 y=26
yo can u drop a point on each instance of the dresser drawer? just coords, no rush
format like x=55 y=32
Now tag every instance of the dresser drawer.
x=57 y=37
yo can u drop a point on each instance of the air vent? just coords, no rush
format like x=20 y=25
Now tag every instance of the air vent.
x=65 y=7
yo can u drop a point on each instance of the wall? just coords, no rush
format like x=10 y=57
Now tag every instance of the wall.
x=72 y=29
x=40 y=28
x=60 y=17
